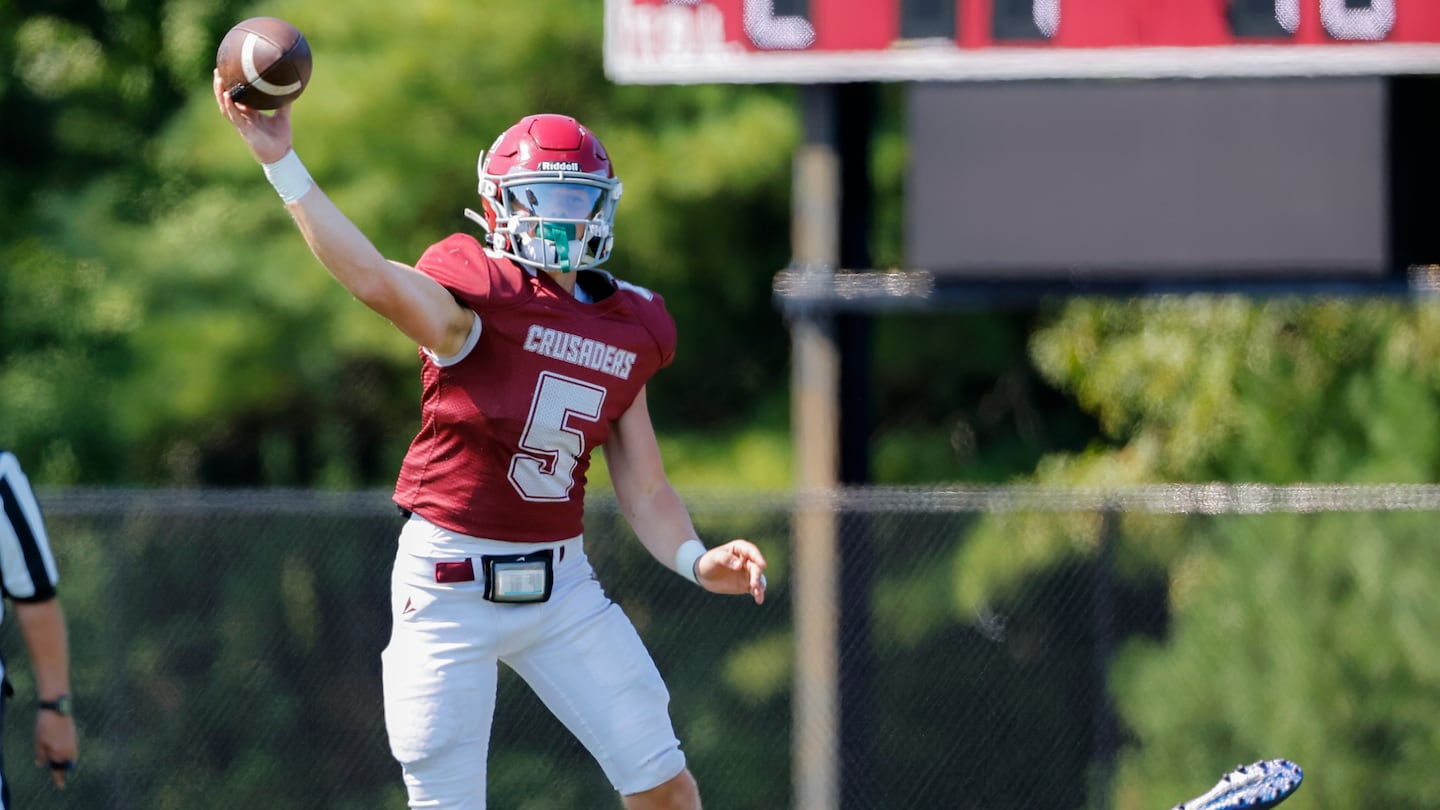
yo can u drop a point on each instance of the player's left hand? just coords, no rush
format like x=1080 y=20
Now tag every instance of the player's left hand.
x=736 y=567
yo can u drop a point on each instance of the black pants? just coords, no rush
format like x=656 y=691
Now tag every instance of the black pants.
x=6 y=690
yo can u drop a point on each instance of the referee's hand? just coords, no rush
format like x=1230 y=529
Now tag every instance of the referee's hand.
x=56 y=747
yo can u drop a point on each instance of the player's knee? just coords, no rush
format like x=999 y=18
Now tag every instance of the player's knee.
x=678 y=793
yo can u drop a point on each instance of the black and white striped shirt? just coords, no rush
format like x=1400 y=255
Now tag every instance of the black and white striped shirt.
x=27 y=568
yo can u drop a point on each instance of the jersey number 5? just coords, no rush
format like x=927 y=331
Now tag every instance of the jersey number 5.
x=545 y=469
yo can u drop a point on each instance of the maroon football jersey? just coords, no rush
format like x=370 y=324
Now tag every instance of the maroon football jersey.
x=506 y=433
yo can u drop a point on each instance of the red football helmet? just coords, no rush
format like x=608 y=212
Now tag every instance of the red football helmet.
x=548 y=195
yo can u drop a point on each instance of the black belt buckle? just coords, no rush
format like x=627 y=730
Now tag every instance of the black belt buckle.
x=519 y=578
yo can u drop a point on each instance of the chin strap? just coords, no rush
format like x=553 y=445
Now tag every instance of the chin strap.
x=494 y=240
x=472 y=214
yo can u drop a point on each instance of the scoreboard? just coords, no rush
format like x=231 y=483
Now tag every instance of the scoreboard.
x=1247 y=141
x=799 y=41
x=1277 y=178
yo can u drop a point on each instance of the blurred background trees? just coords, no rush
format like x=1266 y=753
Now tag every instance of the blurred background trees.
x=1276 y=392
x=165 y=325
x=161 y=324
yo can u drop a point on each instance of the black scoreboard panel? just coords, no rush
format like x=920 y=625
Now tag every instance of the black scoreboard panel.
x=1303 y=178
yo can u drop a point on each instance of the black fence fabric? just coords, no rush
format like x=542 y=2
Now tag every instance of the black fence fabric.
x=999 y=648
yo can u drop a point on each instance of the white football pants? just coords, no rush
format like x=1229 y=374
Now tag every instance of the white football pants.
x=578 y=651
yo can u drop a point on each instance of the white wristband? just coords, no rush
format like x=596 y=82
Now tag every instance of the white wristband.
x=289 y=177
x=688 y=554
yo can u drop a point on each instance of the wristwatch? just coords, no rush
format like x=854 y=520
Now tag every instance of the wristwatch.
x=62 y=705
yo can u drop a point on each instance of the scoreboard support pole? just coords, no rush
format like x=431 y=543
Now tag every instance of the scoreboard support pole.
x=856 y=107
x=830 y=422
x=815 y=420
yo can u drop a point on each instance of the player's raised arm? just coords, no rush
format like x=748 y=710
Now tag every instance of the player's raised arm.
x=415 y=303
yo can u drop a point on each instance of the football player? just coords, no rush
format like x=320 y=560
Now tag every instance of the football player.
x=531 y=358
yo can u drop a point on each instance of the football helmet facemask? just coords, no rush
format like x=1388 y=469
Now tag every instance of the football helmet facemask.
x=548 y=195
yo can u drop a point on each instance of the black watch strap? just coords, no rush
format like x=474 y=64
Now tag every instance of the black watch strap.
x=62 y=705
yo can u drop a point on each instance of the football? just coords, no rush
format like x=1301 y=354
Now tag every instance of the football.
x=264 y=63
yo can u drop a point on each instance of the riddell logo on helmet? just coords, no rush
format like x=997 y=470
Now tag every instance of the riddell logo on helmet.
x=559 y=166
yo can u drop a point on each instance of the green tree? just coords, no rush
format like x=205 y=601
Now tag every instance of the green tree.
x=84 y=87
x=1290 y=635
x=175 y=328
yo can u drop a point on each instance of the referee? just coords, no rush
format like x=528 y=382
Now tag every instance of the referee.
x=28 y=577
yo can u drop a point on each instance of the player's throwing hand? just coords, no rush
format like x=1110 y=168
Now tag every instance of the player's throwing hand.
x=267 y=134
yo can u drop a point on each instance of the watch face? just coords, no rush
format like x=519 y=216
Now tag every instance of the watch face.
x=61 y=705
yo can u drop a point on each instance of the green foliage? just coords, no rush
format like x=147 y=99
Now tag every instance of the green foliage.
x=229 y=355
x=1229 y=389
x=1354 y=591
x=1222 y=389
x=81 y=91
x=757 y=459
x=956 y=399
x=1235 y=390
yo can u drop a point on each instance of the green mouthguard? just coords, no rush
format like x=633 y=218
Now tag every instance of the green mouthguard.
x=560 y=235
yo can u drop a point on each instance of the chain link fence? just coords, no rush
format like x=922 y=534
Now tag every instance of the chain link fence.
x=1013 y=647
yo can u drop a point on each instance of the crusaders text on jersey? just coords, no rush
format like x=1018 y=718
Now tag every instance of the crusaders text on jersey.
x=507 y=429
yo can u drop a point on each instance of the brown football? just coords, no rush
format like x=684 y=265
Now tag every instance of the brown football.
x=264 y=63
